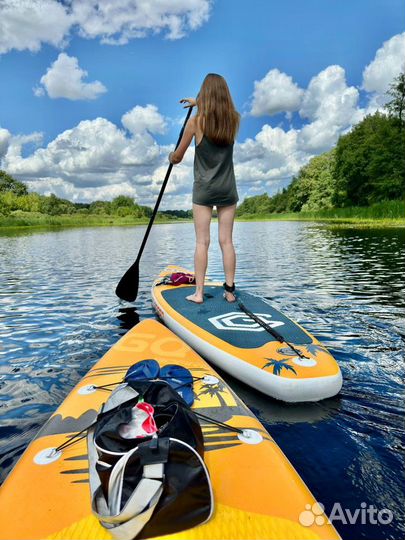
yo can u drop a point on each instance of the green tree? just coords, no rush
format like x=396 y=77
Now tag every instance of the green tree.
x=370 y=162
x=176 y=213
x=298 y=193
x=29 y=203
x=54 y=206
x=318 y=182
x=124 y=211
x=79 y=205
x=122 y=200
x=138 y=211
x=279 y=201
x=147 y=212
x=8 y=183
x=258 y=204
x=8 y=202
x=395 y=106
x=100 y=207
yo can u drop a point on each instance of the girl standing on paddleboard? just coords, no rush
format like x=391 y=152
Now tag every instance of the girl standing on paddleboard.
x=214 y=129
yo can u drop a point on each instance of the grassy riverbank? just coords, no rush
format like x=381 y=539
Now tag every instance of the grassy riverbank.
x=20 y=219
x=385 y=214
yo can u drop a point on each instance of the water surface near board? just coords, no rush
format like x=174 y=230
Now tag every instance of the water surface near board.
x=59 y=314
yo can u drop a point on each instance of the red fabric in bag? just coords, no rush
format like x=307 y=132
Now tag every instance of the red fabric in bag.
x=181 y=278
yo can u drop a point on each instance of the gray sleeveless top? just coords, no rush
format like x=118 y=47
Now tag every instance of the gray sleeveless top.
x=214 y=177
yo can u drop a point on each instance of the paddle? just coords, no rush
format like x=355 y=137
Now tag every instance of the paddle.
x=269 y=329
x=127 y=288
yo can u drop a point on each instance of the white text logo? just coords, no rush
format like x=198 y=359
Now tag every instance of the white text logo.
x=365 y=514
x=239 y=321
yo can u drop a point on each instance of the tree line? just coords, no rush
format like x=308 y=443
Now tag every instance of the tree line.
x=366 y=166
x=14 y=195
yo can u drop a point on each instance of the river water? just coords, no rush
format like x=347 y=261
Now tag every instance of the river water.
x=59 y=314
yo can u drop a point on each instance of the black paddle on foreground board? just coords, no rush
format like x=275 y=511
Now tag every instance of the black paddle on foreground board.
x=127 y=288
x=268 y=328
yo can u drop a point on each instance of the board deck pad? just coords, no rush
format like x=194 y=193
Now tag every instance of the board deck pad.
x=226 y=321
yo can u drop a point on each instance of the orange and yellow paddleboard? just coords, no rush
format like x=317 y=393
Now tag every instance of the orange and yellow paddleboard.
x=257 y=492
x=232 y=340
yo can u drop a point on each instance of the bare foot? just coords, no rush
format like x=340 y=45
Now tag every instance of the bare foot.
x=196 y=298
x=229 y=297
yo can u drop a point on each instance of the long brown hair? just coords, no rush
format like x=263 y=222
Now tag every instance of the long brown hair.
x=217 y=116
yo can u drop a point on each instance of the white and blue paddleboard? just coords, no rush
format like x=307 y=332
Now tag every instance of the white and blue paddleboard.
x=297 y=368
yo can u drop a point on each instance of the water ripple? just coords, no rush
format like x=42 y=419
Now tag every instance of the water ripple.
x=59 y=315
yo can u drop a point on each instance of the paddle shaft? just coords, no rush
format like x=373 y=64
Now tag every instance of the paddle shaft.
x=268 y=328
x=127 y=288
x=162 y=190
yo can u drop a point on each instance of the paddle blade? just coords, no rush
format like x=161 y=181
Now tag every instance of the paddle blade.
x=127 y=288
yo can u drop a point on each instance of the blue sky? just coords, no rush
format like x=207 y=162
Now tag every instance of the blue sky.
x=328 y=42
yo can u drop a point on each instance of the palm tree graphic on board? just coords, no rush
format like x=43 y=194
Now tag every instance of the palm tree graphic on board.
x=215 y=390
x=278 y=365
x=315 y=349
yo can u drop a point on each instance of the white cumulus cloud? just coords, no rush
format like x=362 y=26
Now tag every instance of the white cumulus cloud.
x=388 y=62
x=93 y=152
x=98 y=160
x=141 y=119
x=67 y=190
x=328 y=93
x=332 y=107
x=328 y=107
x=276 y=92
x=118 y=21
x=65 y=79
x=5 y=136
x=268 y=162
x=27 y=24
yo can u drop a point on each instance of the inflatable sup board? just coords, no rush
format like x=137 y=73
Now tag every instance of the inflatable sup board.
x=257 y=492
x=223 y=334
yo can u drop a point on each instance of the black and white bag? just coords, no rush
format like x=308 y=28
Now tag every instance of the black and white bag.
x=150 y=486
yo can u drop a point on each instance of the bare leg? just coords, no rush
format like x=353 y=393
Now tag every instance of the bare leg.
x=226 y=218
x=202 y=219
